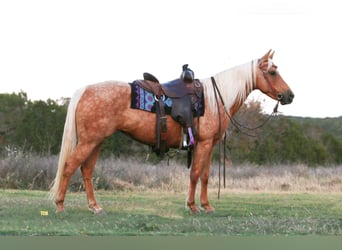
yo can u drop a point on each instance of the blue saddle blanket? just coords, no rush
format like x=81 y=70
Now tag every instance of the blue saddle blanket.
x=144 y=100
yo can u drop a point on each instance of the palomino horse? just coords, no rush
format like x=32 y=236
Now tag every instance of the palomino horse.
x=97 y=111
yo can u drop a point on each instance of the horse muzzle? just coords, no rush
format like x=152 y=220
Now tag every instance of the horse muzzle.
x=286 y=97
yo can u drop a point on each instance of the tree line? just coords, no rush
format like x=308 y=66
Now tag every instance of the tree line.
x=37 y=127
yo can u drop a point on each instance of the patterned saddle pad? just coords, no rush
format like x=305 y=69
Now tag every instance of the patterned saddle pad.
x=144 y=100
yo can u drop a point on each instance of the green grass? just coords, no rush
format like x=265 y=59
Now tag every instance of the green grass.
x=163 y=213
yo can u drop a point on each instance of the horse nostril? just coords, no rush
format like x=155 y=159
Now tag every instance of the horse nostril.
x=292 y=96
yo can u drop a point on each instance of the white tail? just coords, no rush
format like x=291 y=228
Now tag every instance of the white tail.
x=69 y=142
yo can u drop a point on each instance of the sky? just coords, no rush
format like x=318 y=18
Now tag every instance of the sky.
x=49 y=49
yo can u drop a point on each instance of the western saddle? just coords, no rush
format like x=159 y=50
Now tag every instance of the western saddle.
x=185 y=92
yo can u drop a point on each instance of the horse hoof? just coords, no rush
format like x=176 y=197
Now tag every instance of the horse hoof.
x=100 y=212
x=60 y=210
x=193 y=209
x=97 y=210
x=208 y=209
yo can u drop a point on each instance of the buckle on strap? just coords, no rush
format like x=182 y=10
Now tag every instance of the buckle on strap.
x=162 y=97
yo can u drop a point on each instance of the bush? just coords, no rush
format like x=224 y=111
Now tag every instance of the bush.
x=26 y=171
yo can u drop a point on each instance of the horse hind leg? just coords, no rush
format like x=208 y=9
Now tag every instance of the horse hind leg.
x=78 y=157
x=87 y=170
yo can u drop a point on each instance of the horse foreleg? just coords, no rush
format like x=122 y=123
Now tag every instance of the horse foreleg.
x=194 y=176
x=87 y=170
x=204 y=188
x=79 y=155
x=201 y=160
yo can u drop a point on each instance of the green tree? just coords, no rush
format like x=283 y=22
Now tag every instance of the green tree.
x=42 y=126
x=334 y=148
x=12 y=109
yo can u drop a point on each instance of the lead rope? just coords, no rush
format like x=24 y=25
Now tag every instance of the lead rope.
x=219 y=115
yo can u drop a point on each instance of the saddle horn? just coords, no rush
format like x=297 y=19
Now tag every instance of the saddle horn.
x=187 y=75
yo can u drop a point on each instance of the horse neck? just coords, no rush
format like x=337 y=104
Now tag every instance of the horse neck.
x=234 y=84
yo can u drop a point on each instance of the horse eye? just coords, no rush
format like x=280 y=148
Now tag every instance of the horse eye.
x=272 y=73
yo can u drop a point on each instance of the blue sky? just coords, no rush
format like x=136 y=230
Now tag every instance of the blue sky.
x=50 y=48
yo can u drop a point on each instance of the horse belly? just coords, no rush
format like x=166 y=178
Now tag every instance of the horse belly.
x=142 y=127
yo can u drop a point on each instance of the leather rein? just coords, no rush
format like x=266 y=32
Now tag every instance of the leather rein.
x=237 y=124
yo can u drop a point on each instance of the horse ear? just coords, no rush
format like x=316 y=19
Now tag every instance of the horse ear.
x=266 y=56
x=271 y=55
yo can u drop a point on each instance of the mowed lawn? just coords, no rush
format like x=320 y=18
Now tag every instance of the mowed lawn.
x=163 y=213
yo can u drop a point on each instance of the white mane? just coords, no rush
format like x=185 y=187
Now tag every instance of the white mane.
x=234 y=84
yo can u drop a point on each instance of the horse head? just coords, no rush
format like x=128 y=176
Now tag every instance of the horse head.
x=270 y=82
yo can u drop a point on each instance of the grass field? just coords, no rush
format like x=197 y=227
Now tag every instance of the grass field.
x=163 y=213
x=149 y=199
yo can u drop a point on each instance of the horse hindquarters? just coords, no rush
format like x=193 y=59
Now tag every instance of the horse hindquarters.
x=72 y=156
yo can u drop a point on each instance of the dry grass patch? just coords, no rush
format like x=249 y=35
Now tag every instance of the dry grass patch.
x=21 y=171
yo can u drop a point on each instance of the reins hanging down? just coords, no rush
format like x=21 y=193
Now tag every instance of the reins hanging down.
x=220 y=125
x=237 y=125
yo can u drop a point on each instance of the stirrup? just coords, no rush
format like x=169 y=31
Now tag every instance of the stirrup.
x=185 y=141
x=191 y=139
